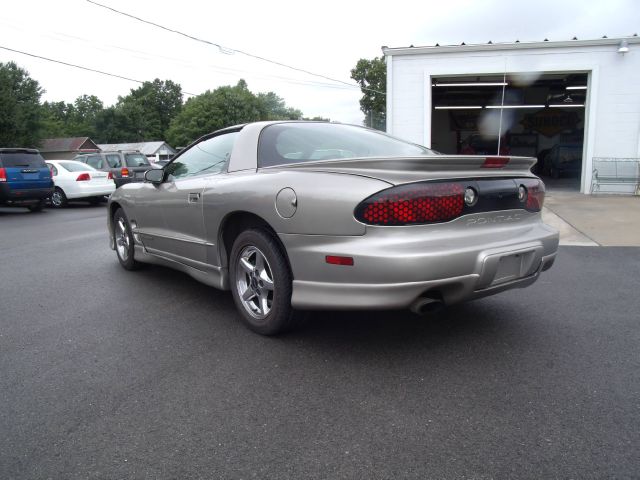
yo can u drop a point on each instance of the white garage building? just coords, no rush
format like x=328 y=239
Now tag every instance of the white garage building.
x=565 y=102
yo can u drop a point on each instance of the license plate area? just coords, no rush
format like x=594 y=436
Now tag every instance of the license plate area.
x=509 y=268
x=503 y=267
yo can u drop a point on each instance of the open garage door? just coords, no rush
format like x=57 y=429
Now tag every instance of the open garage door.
x=538 y=115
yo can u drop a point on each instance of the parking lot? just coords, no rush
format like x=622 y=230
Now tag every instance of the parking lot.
x=106 y=373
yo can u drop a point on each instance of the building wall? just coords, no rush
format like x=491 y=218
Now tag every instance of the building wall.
x=613 y=104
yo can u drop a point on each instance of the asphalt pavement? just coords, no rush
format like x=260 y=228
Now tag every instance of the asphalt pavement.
x=107 y=374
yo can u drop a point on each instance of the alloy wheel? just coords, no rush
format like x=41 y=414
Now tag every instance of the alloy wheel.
x=254 y=282
x=122 y=239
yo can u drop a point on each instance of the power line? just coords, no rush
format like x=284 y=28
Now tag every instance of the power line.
x=81 y=67
x=230 y=51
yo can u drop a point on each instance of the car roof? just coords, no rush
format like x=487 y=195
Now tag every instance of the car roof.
x=19 y=150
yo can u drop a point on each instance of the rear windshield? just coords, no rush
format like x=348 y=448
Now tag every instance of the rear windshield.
x=75 y=167
x=136 y=160
x=285 y=143
x=21 y=160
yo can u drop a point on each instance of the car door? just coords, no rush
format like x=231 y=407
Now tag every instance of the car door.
x=180 y=198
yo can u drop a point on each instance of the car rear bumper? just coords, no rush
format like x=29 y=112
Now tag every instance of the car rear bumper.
x=119 y=181
x=22 y=195
x=395 y=269
x=84 y=190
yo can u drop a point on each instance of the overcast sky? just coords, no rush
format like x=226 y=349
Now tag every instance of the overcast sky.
x=325 y=37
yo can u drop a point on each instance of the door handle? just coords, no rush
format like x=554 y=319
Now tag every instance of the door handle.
x=194 y=197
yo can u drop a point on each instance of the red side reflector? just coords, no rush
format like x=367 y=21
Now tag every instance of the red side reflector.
x=495 y=162
x=335 y=260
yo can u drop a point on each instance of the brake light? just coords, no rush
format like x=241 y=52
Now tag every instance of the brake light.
x=124 y=172
x=534 y=195
x=3 y=175
x=495 y=162
x=83 y=177
x=412 y=204
x=110 y=176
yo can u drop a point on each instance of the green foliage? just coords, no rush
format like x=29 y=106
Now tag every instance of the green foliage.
x=20 y=121
x=224 y=107
x=371 y=75
x=153 y=111
x=148 y=110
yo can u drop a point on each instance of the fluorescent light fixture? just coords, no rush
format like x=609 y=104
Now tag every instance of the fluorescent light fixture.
x=577 y=87
x=471 y=84
x=456 y=107
x=514 y=106
x=567 y=105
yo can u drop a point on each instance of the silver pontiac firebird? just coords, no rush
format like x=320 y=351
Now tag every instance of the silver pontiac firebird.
x=310 y=215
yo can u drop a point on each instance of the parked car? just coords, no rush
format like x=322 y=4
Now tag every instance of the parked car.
x=125 y=166
x=78 y=181
x=25 y=180
x=251 y=209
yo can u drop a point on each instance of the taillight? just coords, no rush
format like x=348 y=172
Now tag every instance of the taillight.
x=3 y=175
x=124 y=172
x=495 y=162
x=412 y=204
x=534 y=194
x=110 y=176
x=83 y=177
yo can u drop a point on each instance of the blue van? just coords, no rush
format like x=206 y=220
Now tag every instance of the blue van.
x=25 y=180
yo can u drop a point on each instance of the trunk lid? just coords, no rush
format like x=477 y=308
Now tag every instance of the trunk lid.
x=25 y=169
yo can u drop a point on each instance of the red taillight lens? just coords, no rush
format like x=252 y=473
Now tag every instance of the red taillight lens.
x=416 y=203
x=124 y=172
x=83 y=177
x=110 y=176
x=495 y=162
x=3 y=175
x=335 y=260
x=535 y=194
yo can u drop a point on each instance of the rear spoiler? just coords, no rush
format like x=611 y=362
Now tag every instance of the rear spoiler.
x=427 y=164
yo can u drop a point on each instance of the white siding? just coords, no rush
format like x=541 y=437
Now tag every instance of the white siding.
x=613 y=105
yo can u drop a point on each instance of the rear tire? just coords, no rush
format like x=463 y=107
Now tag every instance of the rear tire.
x=123 y=240
x=36 y=207
x=58 y=198
x=261 y=283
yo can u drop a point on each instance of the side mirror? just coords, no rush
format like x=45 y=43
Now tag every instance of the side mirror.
x=155 y=176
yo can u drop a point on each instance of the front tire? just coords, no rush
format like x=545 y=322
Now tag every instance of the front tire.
x=261 y=283
x=123 y=240
x=58 y=198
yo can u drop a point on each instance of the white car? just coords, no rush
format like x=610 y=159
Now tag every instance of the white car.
x=78 y=181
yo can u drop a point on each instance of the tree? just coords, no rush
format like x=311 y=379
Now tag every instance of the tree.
x=273 y=108
x=147 y=111
x=20 y=120
x=223 y=107
x=371 y=75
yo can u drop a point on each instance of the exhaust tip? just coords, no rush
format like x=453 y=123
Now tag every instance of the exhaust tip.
x=425 y=305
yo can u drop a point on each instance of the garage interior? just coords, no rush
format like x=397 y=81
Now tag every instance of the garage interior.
x=530 y=114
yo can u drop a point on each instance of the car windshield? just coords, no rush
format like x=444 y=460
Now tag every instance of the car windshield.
x=21 y=160
x=136 y=160
x=75 y=167
x=285 y=143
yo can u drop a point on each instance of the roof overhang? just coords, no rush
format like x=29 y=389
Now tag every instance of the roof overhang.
x=426 y=50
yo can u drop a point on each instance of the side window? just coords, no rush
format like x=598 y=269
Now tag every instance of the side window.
x=207 y=157
x=95 y=161
x=113 y=160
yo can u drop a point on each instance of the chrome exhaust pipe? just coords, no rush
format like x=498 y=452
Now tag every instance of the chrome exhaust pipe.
x=424 y=305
